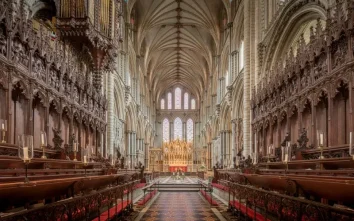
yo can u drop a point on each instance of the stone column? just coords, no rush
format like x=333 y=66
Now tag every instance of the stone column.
x=233 y=141
x=146 y=151
x=134 y=149
x=129 y=147
x=110 y=113
x=246 y=78
x=222 y=147
x=184 y=131
x=209 y=156
x=228 y=148
x=171 y=130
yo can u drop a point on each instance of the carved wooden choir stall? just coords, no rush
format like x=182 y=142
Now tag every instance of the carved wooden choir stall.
x=301 y=162
x=52 y=65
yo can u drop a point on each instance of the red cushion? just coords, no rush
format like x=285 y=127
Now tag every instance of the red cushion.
x=247 y=211
x=112 y=211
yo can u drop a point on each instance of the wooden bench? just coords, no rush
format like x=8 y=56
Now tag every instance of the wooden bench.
x=113 y=211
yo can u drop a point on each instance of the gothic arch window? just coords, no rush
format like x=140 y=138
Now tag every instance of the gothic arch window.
x=165 y=130
x=162 y=103
x=169 y=101
x=178 y=100
x=186 y=101
x=178 y=128
x=190 y=131
x=193 y=104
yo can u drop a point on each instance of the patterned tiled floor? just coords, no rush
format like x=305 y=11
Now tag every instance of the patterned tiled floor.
x=186 y=180
x=185 y=206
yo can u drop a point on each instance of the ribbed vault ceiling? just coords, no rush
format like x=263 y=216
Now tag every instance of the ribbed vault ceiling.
x=178 y=40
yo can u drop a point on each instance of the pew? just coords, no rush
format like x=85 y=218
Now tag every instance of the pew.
x=113 y=211
x=247 y=211
x=341 y=190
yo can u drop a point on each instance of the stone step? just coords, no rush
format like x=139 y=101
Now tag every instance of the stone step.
x=178 y=190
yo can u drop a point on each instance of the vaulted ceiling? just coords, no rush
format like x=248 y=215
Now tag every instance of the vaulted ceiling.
x=178 y=40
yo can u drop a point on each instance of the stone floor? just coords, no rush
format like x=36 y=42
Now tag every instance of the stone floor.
x=183 y=206
x=185 y=180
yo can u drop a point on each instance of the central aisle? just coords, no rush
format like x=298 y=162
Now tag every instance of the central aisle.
x=182 y=206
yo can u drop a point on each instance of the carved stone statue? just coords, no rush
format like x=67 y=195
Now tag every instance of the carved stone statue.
x=122 y=162
x=57 y=139
x=68 y=148
x=286 y=139
x=303 y=139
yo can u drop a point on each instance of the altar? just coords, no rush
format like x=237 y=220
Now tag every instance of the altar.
x=177 y=168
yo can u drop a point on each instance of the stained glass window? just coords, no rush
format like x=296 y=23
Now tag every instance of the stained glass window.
x=162 y=103
x=190 y=130
x=178 y=128
x=193 y=104
x=165 y=130
x=178 y=99
x=169 y=101
x=186 y=101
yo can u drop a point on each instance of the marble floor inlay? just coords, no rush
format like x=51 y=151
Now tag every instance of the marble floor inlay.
x=179 y=206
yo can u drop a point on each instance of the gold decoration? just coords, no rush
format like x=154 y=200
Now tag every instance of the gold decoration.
x=177 y=152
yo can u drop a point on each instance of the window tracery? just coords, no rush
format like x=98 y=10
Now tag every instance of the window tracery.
x=193 y=104
x=169 y=101
x=186 y=101
x=178 y=128
x=165 y=130
x=178 y=99
x=190 y=131
x=162 y=103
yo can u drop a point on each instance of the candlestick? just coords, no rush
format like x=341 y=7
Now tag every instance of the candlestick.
x=43 y=143
x=3 y=136
x=3 y=129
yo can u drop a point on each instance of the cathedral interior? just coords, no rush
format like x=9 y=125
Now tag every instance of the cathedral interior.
x=161 y=110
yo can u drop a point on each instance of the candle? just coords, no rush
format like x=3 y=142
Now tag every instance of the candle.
x=25 y=153
x=42 y=139
x=75 y=147
x=85 y=159
x=321 y=139
x=350 y=143
x=2 y=126
x=286 y=157
x=92 y=150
